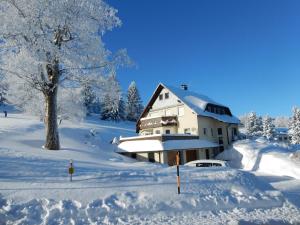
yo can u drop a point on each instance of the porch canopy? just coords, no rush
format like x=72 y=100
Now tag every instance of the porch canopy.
x=135 y=146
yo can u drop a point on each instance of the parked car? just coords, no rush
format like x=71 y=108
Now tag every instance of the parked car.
x=207 y=163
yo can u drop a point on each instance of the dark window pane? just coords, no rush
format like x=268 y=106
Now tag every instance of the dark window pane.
x=161 y=97
x=216 y=164
x=221 y=148
x=220 y=132
x=166 y=95
x=203 y=164
x=151 y=157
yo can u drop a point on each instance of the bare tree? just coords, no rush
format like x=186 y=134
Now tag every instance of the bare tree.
x=46 y=44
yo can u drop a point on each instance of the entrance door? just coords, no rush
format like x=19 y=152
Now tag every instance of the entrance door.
x=172 y=158
x=191 y=155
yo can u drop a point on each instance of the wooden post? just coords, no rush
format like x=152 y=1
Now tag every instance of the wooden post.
x=71 y=169
x=178 y=177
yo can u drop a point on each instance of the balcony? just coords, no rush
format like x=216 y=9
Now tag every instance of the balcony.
x=148 y=123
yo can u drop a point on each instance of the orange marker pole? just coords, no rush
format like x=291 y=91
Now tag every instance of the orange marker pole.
x=178 y=177
x=71 y=169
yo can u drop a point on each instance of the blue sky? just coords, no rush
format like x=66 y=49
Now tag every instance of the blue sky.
x=245 y=54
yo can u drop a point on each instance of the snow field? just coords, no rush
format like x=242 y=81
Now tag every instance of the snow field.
x=111 y=189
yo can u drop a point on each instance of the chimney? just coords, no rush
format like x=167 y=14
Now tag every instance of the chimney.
x=184 y=87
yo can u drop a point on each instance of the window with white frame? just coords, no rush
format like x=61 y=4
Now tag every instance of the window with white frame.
x=181 y=111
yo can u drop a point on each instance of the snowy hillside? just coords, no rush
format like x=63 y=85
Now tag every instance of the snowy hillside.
x=108 y=188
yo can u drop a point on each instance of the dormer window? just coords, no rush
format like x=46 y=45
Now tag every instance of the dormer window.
x=161 y=97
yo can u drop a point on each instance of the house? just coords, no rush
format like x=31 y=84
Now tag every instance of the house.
x=282 y=135
x=176 y=119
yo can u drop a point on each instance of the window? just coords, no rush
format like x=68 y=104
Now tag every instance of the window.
x=234 y=131
x=168 y=112
x=167 y=95
x=212 y=132
x=220 y=140
x=168 y=132
x=133 y=155
x=151 y=157
x=222 y=111
x=157 y=132
x=220 y=132
x=203 y=164
x=180 y=111
x=204 y=131
x=209 y=109
x=207 y=153
x=161 y=96
x=187 y=131
x=221 y=148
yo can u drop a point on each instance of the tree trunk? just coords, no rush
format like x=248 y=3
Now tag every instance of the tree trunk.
x=52 y=137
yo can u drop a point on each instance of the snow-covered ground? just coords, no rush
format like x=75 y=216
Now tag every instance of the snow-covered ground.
x=108 y=188
x=264 y=156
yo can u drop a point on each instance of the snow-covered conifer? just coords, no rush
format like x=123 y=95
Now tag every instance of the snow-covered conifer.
x=268 y=128
x=253 y=125
x=134 y=106
x=294 y=128
x=112 y=106
x=89 y=98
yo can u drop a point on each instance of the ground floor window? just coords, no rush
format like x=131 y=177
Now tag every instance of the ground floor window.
x=221 y=148
x=207 y=153
x=151 y=157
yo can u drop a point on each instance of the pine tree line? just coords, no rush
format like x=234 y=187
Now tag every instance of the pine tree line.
x=265 y=126
x=113 y=104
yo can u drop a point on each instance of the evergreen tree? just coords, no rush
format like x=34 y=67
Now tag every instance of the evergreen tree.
x=294 y=129
x=134 y=106
x=253 y=125
x=112 y=106
x=268 y=128
x=89 y=98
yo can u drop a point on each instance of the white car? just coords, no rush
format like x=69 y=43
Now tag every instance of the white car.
x=207 y=163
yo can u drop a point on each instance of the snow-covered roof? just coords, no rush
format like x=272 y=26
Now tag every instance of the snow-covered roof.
x=281 y=130
x=198 y=102
x=157 y=145
x=157 y=135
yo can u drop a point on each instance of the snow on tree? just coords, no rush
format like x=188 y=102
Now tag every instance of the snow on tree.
x=51 y=43
x=112 y=105
x=3 y=90
x=281 y=121
x=268 y=127
x=134 y=106
x=253 y=124
x=89 y=98
x=294 y=128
